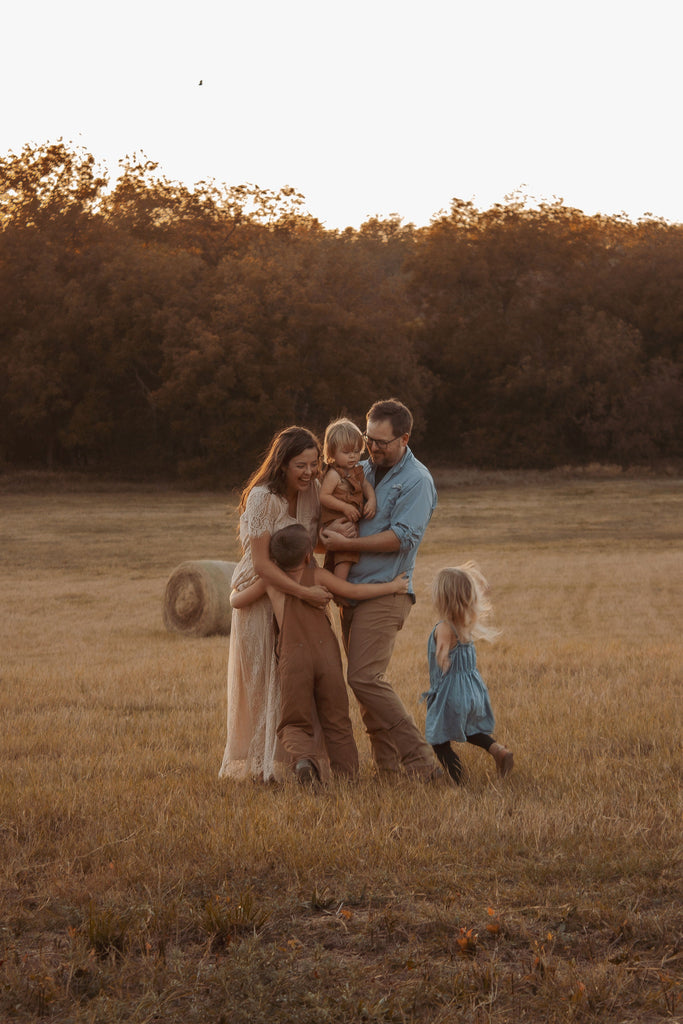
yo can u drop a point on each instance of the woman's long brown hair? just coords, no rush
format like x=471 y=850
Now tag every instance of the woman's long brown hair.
x=284 y=447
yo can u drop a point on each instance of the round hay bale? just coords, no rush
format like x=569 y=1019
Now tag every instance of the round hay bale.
x=197 y=598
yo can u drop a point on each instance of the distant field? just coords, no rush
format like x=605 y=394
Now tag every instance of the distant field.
x=136 y=886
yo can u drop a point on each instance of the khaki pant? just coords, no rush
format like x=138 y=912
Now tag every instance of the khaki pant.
x=369 y=631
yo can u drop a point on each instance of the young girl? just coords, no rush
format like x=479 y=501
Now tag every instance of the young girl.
x=458 y=705
x=344 y=492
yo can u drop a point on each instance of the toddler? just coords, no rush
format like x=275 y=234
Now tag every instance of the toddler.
x=344 y=492
x=458 y=705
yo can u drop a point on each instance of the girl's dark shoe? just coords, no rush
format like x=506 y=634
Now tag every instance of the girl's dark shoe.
x=450 y=760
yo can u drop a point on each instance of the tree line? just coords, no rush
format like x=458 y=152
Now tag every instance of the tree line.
x=151 y=328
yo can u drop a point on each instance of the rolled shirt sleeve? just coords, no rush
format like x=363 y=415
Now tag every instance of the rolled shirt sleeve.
x=406 y=499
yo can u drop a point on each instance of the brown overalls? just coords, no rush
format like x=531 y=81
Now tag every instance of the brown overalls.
x=312 y=680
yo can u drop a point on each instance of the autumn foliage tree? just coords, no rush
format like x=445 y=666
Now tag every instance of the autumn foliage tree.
x=148 y=327
x=529 y=329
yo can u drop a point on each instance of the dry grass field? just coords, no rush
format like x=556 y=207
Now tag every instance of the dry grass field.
x=136 y=886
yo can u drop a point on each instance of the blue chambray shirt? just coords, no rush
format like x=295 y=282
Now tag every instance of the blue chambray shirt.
x=406 y=499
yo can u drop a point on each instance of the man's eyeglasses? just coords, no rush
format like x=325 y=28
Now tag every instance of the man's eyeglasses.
x=373 y=442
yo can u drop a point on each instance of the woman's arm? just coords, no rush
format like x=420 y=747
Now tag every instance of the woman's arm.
x=273 y=576
x=247 y=596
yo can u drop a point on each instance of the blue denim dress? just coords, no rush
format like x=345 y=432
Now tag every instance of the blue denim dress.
x=458 y=702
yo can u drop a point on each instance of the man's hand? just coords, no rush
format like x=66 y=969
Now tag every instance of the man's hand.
x=335 y=541
x=401 y=583
x=336 y=532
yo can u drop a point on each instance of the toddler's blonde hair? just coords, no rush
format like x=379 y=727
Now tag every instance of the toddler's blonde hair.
x=460 y=594
x=339 y=433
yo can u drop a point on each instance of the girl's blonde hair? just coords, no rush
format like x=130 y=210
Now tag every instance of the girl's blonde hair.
x=460 y=594
x=338 y=434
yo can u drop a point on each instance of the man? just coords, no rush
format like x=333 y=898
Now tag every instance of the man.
x=388 y=543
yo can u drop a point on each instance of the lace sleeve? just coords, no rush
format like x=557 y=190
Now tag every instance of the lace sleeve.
x=262 y=511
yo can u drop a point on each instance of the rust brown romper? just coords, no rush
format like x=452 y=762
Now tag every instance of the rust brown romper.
x=350 y=490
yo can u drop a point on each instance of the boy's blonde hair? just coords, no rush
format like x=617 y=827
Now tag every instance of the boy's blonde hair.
x=339 y=433
x=460 y=594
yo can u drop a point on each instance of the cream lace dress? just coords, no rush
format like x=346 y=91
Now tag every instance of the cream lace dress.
x=251 y=749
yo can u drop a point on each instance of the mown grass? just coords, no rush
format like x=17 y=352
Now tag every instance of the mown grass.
x=136 y=886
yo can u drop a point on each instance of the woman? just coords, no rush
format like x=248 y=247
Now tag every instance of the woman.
x=283 y=490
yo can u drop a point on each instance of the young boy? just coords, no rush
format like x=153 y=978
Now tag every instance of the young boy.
x=309 y=661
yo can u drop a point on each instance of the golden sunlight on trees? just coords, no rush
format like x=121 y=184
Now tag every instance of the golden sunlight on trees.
x=146 y=327
x=535 y=332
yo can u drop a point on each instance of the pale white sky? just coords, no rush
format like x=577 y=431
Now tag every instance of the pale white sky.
x=367 y=106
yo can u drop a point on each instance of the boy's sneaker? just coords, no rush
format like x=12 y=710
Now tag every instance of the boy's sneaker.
x=305 y=772
x=433 y=775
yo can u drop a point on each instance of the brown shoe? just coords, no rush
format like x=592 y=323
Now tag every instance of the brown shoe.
x=503 y=757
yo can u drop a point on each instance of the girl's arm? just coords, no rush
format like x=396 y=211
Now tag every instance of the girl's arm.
x=327 y=499
x=273 y=576
x=370 y=500
x=444 y=641
x=360 y=591
x=247 y=596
